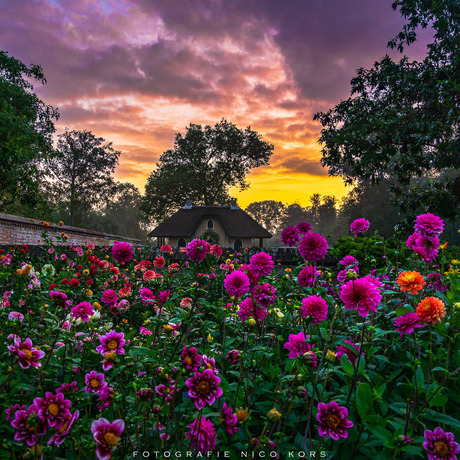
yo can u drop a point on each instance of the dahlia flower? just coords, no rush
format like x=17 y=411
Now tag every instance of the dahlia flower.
x=233 y=356
x=11 y=411
x=303 y=227
x=349 y=260
x=316 y=307
x=297 y=345
x=197 y=250
x=122 y=252
x=412 y=282
x=106 y=435
x=264 y=295
x=27 y=354
x=237 y=284
x=167 y=391
x=333 y=421
x=261 y=264
x=431 y=310
x=313 y=247
x=427 y=248
x=361 y=295
x=440 y=445
x=16 y=316
x=428 y=225
x=407 y=323
x=146 y=295
x=360 y=225
x=64 y=429
x=202 y=435
x=216 y=251
x=290 y=236
x=253 y=277
x=204 y=388
x=228 y=419
x=109 y=297
x=352 y=355
x=411 y=242
x=94 y=382
x=375 y=280
x=166 y=248
x=190 y=358
x=53 y=409
x=307 y=276
x=83 y=311
x=28 y=426
x=249 y=310
x=67 y=388
x=112 y=343
x=159 y=262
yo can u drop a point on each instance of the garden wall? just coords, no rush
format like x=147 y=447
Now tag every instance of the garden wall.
x=16 y=230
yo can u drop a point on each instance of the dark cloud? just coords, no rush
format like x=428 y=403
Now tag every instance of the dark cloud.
x=303 y=166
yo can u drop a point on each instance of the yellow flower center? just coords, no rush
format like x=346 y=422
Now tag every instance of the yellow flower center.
x=53 y=409
x=189 y=360
x=241 y=415
x=441 y=448
x=94 y=383
x=332 y=421
x=63 y=427
x=110 y=356
x=203 y=387
x=112 y=345
x=110 y=439
x=27 y=352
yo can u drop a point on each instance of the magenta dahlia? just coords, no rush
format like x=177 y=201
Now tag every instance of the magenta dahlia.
x=297 y=345
x=109 y=297
x=122 y=252
x=112 y=343
x=237 y=284
x=349 y=260
x=28 y=426
x=264 y=295
x=27 y=354
x=107 y=436
x=94 y=382
x=307 y=276
x=351 y=354
x=440 y=445
x=190 y=358
x=360 y=225
x=197 y=250
x=427 y=248
x=262 y=264
x=249 y=310
x=290 y=236
x=53 y=409
x=360 y=294
x=304 y=227
x=204 y=388
x=202 y=435
x=316 y=307
x=333 y=421
x=313 y=247
x=428 y=225
x=228 y=419
x=84 y=310
x=407 y=323
x=253 y=277
x=64 y=429
x=411 y=242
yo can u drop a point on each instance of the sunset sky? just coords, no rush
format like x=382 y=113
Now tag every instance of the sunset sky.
x=137 y=71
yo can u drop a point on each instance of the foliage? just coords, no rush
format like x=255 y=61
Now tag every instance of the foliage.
x=26 y=128
x=402 y=120
x=270 y=214
x=80 y=177
x=203 y=165
x=394 y=388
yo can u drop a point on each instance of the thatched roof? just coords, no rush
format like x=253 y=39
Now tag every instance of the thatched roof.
x=236 y=223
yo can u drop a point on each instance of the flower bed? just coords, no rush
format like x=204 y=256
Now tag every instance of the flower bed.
x=107 y=354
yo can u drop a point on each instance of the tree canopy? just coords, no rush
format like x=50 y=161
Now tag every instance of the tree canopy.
x=81 y=174
x=26 y=128
x=202 y=166
x=402 y=122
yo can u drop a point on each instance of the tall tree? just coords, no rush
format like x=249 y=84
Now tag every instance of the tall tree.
x=269 y=213
x=402 y=121
x=26 y=128
x=81 y=175
x=203 y=165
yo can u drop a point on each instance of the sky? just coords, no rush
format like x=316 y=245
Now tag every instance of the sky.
x=136 y=72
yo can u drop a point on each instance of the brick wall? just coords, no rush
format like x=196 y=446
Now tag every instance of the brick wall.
x=15 y=230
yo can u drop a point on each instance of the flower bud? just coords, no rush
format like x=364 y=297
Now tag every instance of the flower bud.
x=352 y=275
x=273 y=415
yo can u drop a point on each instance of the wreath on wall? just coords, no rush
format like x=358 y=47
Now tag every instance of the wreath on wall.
x=210 y=237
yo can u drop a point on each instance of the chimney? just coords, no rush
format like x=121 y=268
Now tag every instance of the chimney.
x=233 y=204
x=188 y=204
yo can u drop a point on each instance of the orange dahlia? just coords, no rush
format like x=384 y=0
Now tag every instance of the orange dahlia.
x=411 y=282
x=431 y=310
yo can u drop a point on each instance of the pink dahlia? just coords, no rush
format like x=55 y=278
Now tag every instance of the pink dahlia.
x=197 y=250
x=202 y=435
x=316 y=307
x=249 y=310
x=361 y=295
x=106 y=435
x=428 y=225
x=28 y=426
x=303 y=227
x=53 y=409
x=216 y=251
x=167 y=391
x=411 y=242
x=261 y=264
x=333 y=421
x=166 y=248
x=204 y=388
x=190 y=358
x=237 y=284
x=440 y=445
x=109 y=297
x=407 y=323
x=349 y=260
x=83 y=311
x=253 y=277
x=351 y=354
x=94 y=382
x=27 y=354
x=233 y=357
x=297 y=345
x=146 y=295
x=264 y=295
x=427 y=248
x=307 y=276
x=67 y=388
x=313 y=247
x=375 y=280
x=228 y=419
x=360 y=225
x=345 y=275
x=290 y=236
x=122 y=252
x=64 y=429
x=11 y=411
x=112 y=343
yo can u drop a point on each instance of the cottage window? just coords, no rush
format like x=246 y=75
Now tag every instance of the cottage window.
x=181 y=243
x=238 y=244
x=210 y=224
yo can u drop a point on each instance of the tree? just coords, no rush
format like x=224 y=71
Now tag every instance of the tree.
x=269 y=213
x=203 y=165
x=80 y=176
x=402 y=121
x=26 y=128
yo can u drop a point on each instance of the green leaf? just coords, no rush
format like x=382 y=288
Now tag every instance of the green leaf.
x=439 y=417
x=382 y=433
x=346 y=365
x=364 y=398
